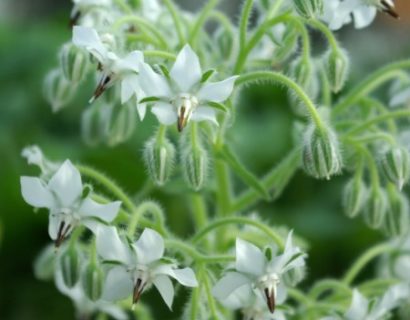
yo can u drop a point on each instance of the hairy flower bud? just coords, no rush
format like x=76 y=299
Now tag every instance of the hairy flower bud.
x=308 y=8
x=93 y=124
x=194 y=162
x=336 y=68
x=70 y=265
x=396 y=166
x=122 y=122
x=159 y=156
x=57 y=90
x=397 y=216
x=74 y=63
x=355 y=195
x=45 y=263
x=92 y=281
x=321 y=153
x=376 y=208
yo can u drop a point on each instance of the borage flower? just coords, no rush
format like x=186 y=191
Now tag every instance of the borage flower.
x=139 y=266
x=184 y=94
x=113 y=68
x=262 y=271
x=68 y=206
x=81 y=7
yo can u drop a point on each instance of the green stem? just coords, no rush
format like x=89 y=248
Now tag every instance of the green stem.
x=224 y=187
x=210 y=298
x=326 y=32
x=123 y=5
x=371 y=83
x=373 y=103
x=159 y=54
x=141 y=210
x=238 y=220
x=108 y=184
x=195 y=302
x=368 y=256
x=177 y=20
x=326 y=285
x=199 y=211
x=243 y=23
x=278 y=77
x=206 y=12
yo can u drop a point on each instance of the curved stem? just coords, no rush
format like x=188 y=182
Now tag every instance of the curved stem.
x=372 y=82
x=325 y=285
x=210 y=298
x=243 y=23
x=206 y=12
x=326 y=32
x=159 y=54
x=141 y=210
x=177 y=20
x=278 y=77
x=239 y=220
x=368 y=256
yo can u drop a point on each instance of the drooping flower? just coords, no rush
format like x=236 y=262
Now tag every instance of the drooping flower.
x=338 y=13
x=113 y=68
x=140 y=265
x=82 y=7
x=262 y=271
x=68 y=207
x=184 y=94
x=84 y=306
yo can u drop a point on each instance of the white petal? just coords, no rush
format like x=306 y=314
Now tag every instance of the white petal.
x=249 y=258
x=165 y=113
x=185 y=276
x=358 y=308
x=129 y=87
x=165 y=288
x=66 y=184
x=118 y=285
x=106 y=212
x=54 y=221
x=110 y=246
x=35 y=193
x=390 y=300
x=131 y=62
x=239 y=299
x=186 y=71
x=142 y=110
x=153 y=84
x=149 y=247
x=228 y=284
x=204 y=114
x=114 y=311
x=217 y=91
x=89 y=39
x=400 y=98
x=364 y=16
x=92 y=224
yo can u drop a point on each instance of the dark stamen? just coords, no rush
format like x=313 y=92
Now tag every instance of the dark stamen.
x=60 y=236
x=74 y=19
x=138 y=288
x=390 y=10
x=181 y=120
x=102 y=86
x=270 y=298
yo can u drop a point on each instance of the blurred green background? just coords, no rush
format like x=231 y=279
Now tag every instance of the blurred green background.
x=30 y=35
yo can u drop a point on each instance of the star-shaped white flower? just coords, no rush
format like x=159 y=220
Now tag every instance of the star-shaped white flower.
x=253 y=267
x=114 y=69
x=81 y=7
x=63 y=196
x=337 y=13
x=252 y=304
x=183 y=95
x=84 y=306
x=140 y=265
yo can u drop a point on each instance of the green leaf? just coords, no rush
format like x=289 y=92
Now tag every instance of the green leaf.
x=218 y=106
x=246 y=176
x=164 y=70
x=149 y=99
x=207 y=75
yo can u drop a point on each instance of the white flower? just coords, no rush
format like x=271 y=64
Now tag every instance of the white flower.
x=114 y=68
x=84 y=306
x=35 y=156
x=253 y=267
x=252 y=305
x=183 y=97
x=82 y=7
x=337 y=13
x=141 y=265
x=63 y=196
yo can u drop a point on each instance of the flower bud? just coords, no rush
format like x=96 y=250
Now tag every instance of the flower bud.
x=354 y=197
x=122 y=122
x=321 y=153
x=194 y=162
x=92 y=281
x=74 y=63
x=397 y=216
x=94 y=123
x=308 y=8
x=159 y=156
x=376 y=208
x=336 y=68
x=396 y=166
x=45 y=263
x=57 y=90
x=70 y=265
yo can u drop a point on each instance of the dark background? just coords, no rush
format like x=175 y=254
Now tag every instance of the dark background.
x=30 y=35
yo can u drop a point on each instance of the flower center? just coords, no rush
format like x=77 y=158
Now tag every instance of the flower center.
x=268 y=285
x=185 y=105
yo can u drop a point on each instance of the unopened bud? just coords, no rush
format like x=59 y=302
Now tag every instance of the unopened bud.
x=397 y=216
x=396 y=166
x=94 y=123
x=194 y=162
x=354 y=197
x=337 y=68
x=376 y=208
x=57 y=90
x=92 y=281
x=70 y=266
x=74 y=62
x=321 y=153
x=45 y=263
x=122 y=123
x=159 y=156
x=309 y=8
